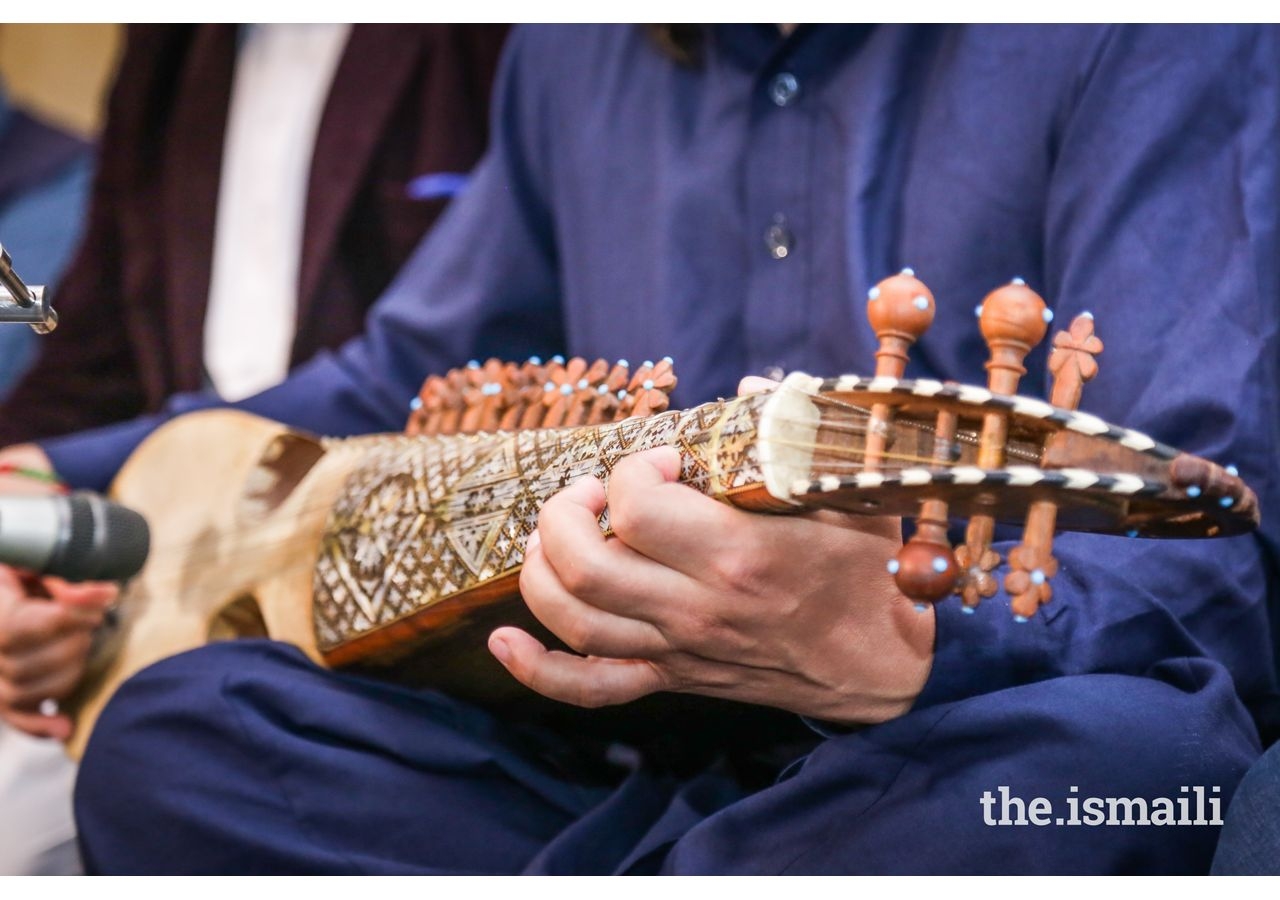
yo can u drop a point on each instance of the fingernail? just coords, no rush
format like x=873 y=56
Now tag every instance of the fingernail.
x=501 y=650
x=532 y=543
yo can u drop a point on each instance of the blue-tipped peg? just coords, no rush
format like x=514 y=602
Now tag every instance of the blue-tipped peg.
x=1047 y=315
x=415 y=403
x=1193 y=491
x=921 y=303
x=921 y=607
x=909 y=272
x=1021 y=620
x=558 y=359
x=668 y=360
x=967 y=610
x=977 y=310
x=893 y=565
x=1226 y=502
x=624 y=364
x=549 y=386
x=1037 y=576
x=1232 y=470
x=873 y=294
x=1017 y=281
x=1132 y=532
x=566 y=389
x=535 y=360
x=473 y=364
x=647 y=364
x=939 y=564
x=647 y=384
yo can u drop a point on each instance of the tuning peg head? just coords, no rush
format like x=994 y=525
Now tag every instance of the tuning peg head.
x=925 y=571
x=900 y=305
x=1014 y=314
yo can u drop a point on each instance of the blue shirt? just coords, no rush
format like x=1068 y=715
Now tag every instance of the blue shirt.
x=733 y=215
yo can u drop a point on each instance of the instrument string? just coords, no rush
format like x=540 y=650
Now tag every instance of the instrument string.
x=840 y=418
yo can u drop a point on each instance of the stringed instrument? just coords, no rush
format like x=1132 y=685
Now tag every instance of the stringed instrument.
x=396 y=555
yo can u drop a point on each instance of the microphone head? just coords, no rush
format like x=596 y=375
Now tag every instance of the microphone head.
x=104 y=541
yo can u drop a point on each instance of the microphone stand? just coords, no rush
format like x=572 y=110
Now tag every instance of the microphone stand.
x=21 y=304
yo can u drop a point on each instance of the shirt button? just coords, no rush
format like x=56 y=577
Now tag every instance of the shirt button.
x=779 y=239
x=783 y=88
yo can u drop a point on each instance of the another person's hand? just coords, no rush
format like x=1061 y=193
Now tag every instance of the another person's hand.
x=22 y=467
x=796 y=612
x=44 y=645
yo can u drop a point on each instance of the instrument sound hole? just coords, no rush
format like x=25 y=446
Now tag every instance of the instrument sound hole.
x=241 y=618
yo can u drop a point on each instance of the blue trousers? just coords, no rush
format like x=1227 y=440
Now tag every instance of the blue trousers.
x=245 y=758
x=1250 y=843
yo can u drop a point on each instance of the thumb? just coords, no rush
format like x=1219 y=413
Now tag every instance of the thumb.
x=649 y=468
x=97 y=595
x=756 y=384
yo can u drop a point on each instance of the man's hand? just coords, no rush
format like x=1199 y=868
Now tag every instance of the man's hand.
x=44 y=645
x=796 y=612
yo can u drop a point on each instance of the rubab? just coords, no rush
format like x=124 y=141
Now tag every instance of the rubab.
x=395 y=555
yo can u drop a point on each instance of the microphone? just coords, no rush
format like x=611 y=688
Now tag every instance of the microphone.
x=79 y=537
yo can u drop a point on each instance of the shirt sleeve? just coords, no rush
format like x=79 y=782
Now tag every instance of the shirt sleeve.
x=1161 y=220
x=483 y=283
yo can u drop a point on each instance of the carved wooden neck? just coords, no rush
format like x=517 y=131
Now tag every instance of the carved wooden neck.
x=423 y=520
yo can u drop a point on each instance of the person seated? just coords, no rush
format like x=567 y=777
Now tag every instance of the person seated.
x=726 y=196
x=44 y=183
x=255 y=193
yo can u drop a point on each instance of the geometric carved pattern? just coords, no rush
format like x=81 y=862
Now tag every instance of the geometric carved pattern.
x=421 y=519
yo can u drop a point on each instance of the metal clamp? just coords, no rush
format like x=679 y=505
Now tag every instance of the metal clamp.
x=22 y=304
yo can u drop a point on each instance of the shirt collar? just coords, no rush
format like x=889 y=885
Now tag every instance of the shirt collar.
x=810 y=50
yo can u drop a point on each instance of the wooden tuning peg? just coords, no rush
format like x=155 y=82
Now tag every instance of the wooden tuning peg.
x=424 y=407
x=1072 y=361
x=473 y=396
x=494 y=396
x=565 y=376
x=534 y=376
x=1013 y=319
x=613 y=391
x=648 y=389
x=509 y=406
x=534 y=397
x=900 y=309
x=925 y=569
x=553 y=394
x=453 y=392
x=1031 y=564
x=582 y=405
